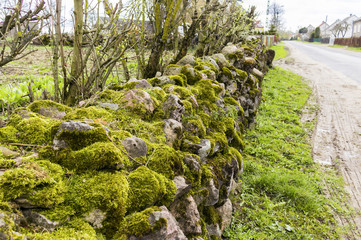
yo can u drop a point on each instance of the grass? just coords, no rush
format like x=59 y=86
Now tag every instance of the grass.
x=355 y=49
x=283 y=192
x=280 y=51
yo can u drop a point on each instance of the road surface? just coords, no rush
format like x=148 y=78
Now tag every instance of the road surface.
x=344 y=61
x=335 y=75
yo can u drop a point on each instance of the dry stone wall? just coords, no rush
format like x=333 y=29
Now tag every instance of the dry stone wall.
x=150 y=159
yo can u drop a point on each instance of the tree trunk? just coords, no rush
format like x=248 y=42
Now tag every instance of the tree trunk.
x=153 y=65
x=56 y=50
x=76 y=63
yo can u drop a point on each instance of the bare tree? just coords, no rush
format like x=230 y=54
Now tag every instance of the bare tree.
x=105 y=46
x=276 y=10
x=18 y=29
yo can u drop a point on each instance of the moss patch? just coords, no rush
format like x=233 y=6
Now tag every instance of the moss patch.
x=148 y=188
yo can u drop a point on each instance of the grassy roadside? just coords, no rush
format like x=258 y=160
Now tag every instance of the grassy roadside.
x=354 y=49
x=284 y=194
x=281 y=52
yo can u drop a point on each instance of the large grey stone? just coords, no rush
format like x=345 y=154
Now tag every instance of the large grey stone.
x=71 y=126
x=192 y=162
x=225 y=211
x=172 y=70
x=182 y=187
x=135 y=147
x=214 y=231
x=171 y=231
x=173 y=131
x=201 y=149
x=210 y=60
x=136 y=98
x=51 y=112
x=213 y=194
x=110 y=106
x=221 y=60
x=40 y=220
x=257 y=73
x=187 y=60
x=173 y=108
x=144 y=84
x=186 y=213
x=230 y=51
x=8 y=153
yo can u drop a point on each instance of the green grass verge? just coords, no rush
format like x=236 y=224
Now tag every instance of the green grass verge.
x=283 y=191
x=281 y=52
x=355 y=49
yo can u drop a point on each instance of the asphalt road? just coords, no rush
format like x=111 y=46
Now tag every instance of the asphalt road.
x=344 y=61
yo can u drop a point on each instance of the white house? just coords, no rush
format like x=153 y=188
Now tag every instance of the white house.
x=341 y=28
x=356 y=28
x=323 y=27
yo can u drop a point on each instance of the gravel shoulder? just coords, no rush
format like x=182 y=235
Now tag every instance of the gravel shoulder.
x=337 y=136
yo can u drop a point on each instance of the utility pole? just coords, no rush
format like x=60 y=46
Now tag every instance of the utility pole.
x=268 y=5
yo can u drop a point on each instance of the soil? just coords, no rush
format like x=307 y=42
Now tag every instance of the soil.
x=337 y=135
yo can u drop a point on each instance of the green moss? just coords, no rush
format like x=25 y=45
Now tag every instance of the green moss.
x=210 y=215
x=96 y=157
x=178 y=80
x=41 y=182
x=242 y=75
x=237 y=155
x=158 y=93
x=202 y=66
x=111 y=96
x=118 y=136
x=62 y=213
x=148 y=188
x=8 y=134
x=188 y=107
x=173 y=65
x=231 y=101
x=191 y=74
x=75 y=229
x=92 y=112
x=128 y=86
x=237 y=138
x=227 y=72
x=208 y=90
x=137 y=224
x=36 y=105
x=35 y=130
x=105 y=191
x=194 y=126
x=167 y=161
x=220 y=139
x=6 y=163
x=210 y=74
x=77 y=140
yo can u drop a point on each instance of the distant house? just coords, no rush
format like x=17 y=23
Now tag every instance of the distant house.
x=306 y=36
x=341 y=28
x=259 y=27
x=356 y=28
x=323 y=27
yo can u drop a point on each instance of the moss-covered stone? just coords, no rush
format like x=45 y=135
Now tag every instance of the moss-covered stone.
x=77 y=140
x=149 y=188
x=194 y=126
x=227 y=73
x=191 y=74
x=167 y=161
x=8 y=134
x=37 y=105
x=178 y=80
x=137 y=224
x=97 y=156
x=35 y=130
x=105 y=191
x=92 y=112
x=40 y=182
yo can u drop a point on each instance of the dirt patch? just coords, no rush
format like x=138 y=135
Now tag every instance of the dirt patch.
x=337 y=136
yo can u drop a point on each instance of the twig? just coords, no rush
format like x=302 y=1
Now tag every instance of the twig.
x=24 y=145
x=123 y=150
x=150 y=156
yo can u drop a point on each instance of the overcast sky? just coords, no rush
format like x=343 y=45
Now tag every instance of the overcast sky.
x=301 y=13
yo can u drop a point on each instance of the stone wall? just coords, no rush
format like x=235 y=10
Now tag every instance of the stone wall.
x=151 y=159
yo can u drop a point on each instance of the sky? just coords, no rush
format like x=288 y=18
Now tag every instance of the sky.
x=301 y=13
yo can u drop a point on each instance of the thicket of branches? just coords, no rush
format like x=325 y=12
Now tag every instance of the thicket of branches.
x=158 y=31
